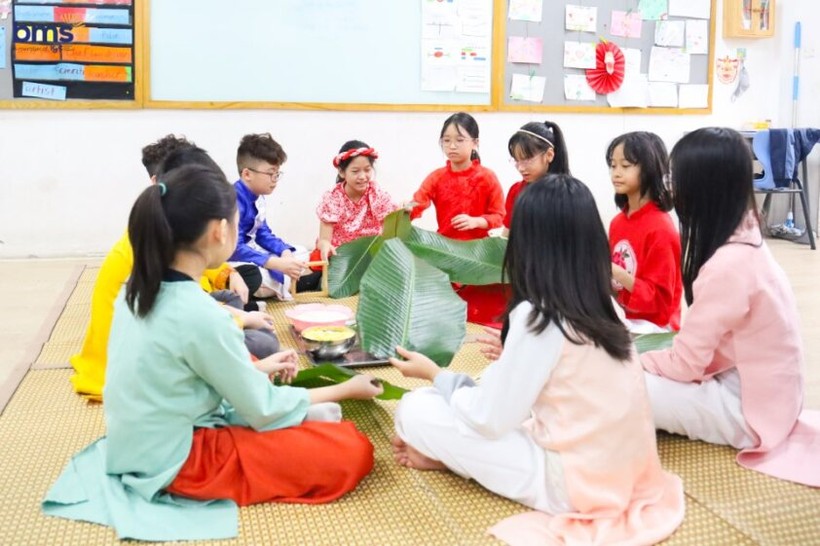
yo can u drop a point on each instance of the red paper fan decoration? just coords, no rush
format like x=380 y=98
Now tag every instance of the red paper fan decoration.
x=608 y=74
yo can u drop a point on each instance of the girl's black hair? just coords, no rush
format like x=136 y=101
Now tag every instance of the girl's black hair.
x=647 y=151
x=712 y=187
x=351 y=145
x=188 y=155
x=465 y=123
x=558 y=260
x=168 y=216
x=529 y=146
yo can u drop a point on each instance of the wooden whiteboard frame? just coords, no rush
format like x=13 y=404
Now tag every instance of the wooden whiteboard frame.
x=88 y=104
x=148 y=102
x=499 y=74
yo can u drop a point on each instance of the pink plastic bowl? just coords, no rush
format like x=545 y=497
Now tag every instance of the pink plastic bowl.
x=318 y=314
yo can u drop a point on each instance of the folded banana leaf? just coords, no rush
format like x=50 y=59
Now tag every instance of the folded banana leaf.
x=330 y=374
x=405 y=301
x=653 y=342
x=397 y=224
x=348 y=266
x=474 y=262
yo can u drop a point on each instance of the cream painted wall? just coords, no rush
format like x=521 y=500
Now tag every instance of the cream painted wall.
x=68 y=178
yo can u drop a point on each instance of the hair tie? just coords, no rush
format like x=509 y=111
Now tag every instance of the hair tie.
x=536 y=135
x=163 y=189
x=347 y=154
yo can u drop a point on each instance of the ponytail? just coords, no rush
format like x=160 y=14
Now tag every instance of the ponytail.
x=560 y=162
x=167 y=217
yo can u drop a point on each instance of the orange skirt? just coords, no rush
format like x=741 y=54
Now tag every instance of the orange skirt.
x=312 y=463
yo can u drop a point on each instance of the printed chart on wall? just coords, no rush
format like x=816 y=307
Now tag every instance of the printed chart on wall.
x=64 y=51
x=604 y=55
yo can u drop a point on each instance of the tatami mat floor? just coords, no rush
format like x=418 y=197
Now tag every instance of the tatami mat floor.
x=45 y=423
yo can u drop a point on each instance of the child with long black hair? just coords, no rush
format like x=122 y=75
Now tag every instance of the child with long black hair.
x=186 y=412
x=734 y=374
x=643 y=240
x=561 y=421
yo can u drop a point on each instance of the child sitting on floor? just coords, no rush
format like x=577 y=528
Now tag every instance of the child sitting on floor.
x=186 y=412
x=734 y=374
x=356 y=206
x=561 y=421
x=90 y=363
x=643 y=240
x=259 y=159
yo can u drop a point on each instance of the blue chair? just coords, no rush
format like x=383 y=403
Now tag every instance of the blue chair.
x=765 y=183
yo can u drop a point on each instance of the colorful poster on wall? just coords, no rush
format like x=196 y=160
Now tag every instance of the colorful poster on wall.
x=68 y=50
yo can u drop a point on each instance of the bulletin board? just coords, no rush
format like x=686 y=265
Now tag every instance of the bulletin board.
x=667 y=45
x=69 y=54
x=320 y=54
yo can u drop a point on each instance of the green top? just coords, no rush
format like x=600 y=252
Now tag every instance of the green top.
x=184 y=366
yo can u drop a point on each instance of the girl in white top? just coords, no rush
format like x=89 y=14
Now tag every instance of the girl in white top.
x=561 y=421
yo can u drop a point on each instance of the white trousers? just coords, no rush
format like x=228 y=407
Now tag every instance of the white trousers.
x=708 y=411
x=512 y=466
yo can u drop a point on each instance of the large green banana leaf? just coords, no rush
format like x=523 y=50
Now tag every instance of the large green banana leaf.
x=466 y=262
x=331 y=374
x=653 y=342
x=347 y=267
x=406 y=301
x=396 y=224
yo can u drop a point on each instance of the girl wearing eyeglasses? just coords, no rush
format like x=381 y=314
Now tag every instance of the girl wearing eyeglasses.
x=535 y=149
x=468 y=198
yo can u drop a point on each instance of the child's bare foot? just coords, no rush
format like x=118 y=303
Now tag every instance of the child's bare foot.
x=407 y=455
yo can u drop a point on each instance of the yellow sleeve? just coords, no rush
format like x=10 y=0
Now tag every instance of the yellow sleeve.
x=216 y=279
x=89 y=364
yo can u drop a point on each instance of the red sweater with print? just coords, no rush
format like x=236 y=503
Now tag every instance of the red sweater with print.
x=647 y=245
x=474 y=191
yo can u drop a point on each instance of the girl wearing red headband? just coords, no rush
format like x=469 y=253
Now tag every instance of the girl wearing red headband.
x=356 y=206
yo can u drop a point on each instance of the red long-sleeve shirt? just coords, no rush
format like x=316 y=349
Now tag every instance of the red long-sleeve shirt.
x=474 y=191
x=647 y=245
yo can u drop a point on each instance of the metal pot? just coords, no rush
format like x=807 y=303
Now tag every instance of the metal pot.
x=328 y=350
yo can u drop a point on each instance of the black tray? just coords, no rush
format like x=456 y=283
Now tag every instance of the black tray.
x=354 y=358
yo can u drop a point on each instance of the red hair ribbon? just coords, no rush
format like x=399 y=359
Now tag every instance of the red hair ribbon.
x=355 y=152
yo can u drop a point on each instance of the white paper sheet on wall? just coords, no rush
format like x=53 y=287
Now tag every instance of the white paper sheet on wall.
x=697 y=36
x=662 y=94
x=669 y=64
x=526 y=10
x=576 y=87
x=693 y=96
x=699 y=9
x=670 y=33
x=633 y=93
x=528 y=88
x=581 y=18
x=579 y=55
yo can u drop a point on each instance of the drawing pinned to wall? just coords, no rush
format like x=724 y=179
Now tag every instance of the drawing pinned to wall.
x=727 y=68
x=697 y=37
x=670 y=33
x=527 y=87
x=579 y=55
x=626 y=23
x=577 y=88
x=521 y=49
x=653 y=10
x=663 y=94
x=60 y=51
x=669 y=64
x=5 y=9
x=526 y=10
x=455 y=46
x=581 y=18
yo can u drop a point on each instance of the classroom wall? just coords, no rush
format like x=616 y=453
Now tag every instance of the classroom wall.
x=68 y=178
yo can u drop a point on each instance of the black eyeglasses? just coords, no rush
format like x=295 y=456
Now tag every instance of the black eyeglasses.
x=273 y=176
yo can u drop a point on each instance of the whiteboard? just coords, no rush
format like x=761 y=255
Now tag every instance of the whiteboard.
x=297 y=51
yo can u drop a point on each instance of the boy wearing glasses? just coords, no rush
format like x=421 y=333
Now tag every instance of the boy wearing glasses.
x=258 y=161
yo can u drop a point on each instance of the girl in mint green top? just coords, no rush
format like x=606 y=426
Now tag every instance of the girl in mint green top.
x=186 y=411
